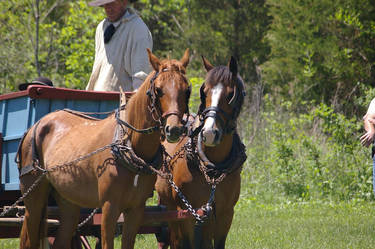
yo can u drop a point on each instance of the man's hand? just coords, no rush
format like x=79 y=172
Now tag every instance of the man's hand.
x=367 y=138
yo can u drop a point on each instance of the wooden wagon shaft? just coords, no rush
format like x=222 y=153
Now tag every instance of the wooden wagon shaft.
x=155 y=217
x=152 y=215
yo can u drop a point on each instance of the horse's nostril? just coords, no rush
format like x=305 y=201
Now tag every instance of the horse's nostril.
x=176 y=131
x=173 y=133
x=167 y=129
x=204 y=139
x=216 y=132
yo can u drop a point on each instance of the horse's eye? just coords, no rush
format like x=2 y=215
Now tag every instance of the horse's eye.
x=159 y=92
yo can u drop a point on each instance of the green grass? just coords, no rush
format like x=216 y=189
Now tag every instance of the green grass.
x=293 y=225
x=303 y=225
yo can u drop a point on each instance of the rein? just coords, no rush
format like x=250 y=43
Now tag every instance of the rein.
x=126 y=124
x=228 y=127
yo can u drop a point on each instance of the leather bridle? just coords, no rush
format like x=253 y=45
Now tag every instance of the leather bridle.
x=227 y=121
x=154 y=108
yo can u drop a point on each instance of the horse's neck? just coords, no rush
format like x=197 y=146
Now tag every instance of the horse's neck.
x=220 y=152
x=144 y=145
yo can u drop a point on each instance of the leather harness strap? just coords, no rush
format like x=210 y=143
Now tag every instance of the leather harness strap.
x=34 y=153
x=125 y=156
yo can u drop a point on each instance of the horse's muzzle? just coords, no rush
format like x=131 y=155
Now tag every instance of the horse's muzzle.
x=211 y=137
x=173 y=133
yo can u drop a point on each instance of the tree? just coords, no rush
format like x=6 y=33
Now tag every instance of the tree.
x=321 y=50
x=76 y=44
x=23 y=54
x=220 y=29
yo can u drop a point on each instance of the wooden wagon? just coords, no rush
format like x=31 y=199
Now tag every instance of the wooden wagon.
x=19 y=111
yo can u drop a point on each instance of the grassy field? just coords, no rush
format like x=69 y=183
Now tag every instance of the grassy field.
x=293 y=225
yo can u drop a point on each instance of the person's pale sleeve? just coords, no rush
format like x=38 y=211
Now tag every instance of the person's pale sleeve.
x=370 y=111
x=94 y=73
x=371 y=108
x=140 y=66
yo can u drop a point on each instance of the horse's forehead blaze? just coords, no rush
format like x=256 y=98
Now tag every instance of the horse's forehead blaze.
x=173 y=86
x=215 y=94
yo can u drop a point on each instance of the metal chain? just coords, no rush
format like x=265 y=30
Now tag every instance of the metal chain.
x=197 y=217
x=54 y=168
x=176 y=155
x=80 y=225
x=169 y=177
x=46 y=171
x=31 y=188
x=167 y=174
x=211 y=180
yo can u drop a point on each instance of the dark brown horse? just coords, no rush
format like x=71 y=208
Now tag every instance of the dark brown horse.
x=209 y=172
x=64 y=146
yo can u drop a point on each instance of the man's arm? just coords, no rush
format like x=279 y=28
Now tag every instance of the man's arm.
x=95 y=73
x=140 y=66
x=369 y=125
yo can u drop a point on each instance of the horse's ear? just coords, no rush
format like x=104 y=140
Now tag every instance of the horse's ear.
x=233 y=68
x=207 y=65
x=185 y=59
x=154 y=61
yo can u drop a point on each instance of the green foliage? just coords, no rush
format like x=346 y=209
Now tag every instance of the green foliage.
x=307 y=156
x=76 y=43
x=195 y=100
x=321 y=50
x=18 y=42
x=163 y=19
x=16 y=51
x=237 y=28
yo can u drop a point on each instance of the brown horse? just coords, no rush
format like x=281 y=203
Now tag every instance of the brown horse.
x=208 y=174
x=63 y=145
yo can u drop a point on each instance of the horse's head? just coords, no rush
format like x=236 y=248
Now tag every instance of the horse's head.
x=222 y=97
x=169 y=93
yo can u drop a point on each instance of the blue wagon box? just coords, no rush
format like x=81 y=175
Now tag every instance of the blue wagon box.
x=20 y=110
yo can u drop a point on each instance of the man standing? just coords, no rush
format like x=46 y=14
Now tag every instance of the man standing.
x=120 y=49
x=368 y=137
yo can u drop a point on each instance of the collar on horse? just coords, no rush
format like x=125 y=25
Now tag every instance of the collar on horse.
x=125 y=156
x=215 y=173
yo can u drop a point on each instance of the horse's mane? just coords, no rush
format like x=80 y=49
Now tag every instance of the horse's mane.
x=218 y=74
x=224 y=75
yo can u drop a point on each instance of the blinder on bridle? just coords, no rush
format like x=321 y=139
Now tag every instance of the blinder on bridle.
x=154 y=106
x=235 y=103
